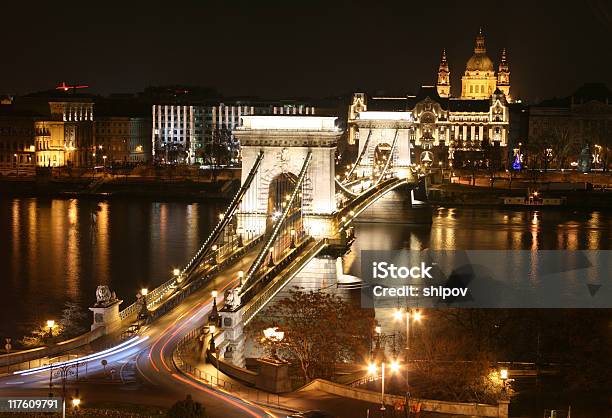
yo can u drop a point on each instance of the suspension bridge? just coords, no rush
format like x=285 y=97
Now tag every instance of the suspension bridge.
x=291 y=208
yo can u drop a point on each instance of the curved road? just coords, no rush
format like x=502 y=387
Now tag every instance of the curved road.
x=151 y=353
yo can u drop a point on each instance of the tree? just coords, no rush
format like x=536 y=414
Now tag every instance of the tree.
x=563 y=144
x=38 y=337
x=456 y=353
x=70 y=325
x=73 y=318
x=320 y=330
x=187 y=408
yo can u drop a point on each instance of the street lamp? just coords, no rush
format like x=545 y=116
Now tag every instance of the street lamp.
x=214 y=255
x=241 y=277
x=503 y=375
x=292 y=233
x=372 y=370
x=410 y=316
x=144 y=311
x=271 y=260
x=50 y=325
x=214 y=318
x=75 y=403
x=274 y=335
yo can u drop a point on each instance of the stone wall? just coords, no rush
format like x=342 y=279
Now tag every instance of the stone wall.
x=52 y=350
x=443 y=407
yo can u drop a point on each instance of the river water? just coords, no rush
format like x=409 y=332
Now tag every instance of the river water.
x=58 y=250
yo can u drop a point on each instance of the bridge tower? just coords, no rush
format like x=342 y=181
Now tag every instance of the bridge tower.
x=286 y=141
x=292 y=190
x=383 y=135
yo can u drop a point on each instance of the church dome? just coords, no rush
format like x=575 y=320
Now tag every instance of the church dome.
x=479 y=62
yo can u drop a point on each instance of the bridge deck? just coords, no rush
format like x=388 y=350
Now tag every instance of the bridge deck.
x=307 y=252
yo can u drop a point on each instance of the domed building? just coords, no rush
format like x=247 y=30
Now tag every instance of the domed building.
x=479 y=80
x=433 y=127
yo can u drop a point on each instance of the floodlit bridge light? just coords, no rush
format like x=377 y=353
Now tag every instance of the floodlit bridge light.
x=417 y=316
x=50 y=323
x=274 y=334
x=212 y=329
x=398 y=314
x=144 y=291
x=503 y=374
x=176 y=272
x=76 y=402
x=214 y=293
x=394 y=366
x=372 y=368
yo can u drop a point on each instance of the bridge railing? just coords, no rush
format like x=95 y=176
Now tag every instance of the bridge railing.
x=183 y=358
x=167 y=295
x=225 y=219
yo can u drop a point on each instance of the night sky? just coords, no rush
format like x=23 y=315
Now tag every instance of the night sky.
x=297 y=49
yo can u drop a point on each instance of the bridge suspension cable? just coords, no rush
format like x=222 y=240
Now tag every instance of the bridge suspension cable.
x=359 y=157
x=226 y=217
x=248 y=281
x=346 y=189
x=384 y=171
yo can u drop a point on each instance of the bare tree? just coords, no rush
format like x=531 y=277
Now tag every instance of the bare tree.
x=320 y=329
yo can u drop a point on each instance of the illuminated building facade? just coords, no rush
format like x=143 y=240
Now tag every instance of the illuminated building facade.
x=17 y=151
x=451 y=129
x=186 y=133
x=567 y=124
x=123 y=139
x=442 y=129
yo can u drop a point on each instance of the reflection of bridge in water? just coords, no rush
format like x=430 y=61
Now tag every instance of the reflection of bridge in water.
x=290 y=210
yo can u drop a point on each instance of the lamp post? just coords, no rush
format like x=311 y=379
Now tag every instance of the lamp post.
x=292 y=233
x=50 y=325
x=503 y=375
x=241 y=277
x=213 y=318
x=548 y=157
x=240 y=232
x=271 y=260
x=214 y=255
x=274 y=335
x=410 y=316
x=372 y=370
x=144 y=310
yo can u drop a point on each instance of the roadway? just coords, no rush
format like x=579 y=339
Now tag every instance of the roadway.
x=149 y=356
